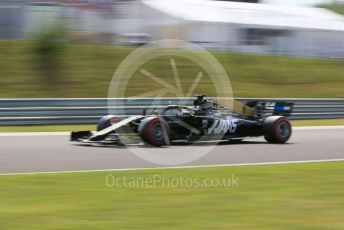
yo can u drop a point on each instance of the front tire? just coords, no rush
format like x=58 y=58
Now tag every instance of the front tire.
x=277 y=129
x=154 y=131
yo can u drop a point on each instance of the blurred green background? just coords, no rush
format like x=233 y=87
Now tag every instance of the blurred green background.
x=44 y=68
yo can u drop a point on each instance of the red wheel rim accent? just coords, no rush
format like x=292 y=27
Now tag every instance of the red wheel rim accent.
x=277 y=127
x=149 y=133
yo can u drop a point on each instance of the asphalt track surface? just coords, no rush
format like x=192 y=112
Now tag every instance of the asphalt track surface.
x=24 y=153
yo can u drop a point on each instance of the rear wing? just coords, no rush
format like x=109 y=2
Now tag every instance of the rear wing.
x=269 y=108
x=257 y=109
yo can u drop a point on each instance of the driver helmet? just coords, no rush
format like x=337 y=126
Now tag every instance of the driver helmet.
x=206 y=106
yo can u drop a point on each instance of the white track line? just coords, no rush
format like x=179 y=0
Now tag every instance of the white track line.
x=176 y=167
x=21 y=134
x=317 y=127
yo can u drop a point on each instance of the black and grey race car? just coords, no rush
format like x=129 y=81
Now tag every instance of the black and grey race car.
x=206 y=120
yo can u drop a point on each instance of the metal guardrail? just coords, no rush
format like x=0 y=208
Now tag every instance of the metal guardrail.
x=89 y=110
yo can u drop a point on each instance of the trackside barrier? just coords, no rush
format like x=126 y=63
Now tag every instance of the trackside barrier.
x=88 y=110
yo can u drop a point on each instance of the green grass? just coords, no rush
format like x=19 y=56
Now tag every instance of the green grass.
x=46 y=128
x=293 y=196
x=57 y=128
x=86 y=71
x=337 y=10
x=318 y=122
x=336 y=7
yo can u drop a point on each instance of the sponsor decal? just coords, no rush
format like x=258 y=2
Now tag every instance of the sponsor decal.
x=223 y=126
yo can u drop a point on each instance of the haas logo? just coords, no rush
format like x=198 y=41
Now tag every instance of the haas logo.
x=223 y=126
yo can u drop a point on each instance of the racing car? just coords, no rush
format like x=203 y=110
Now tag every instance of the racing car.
x=206 y=120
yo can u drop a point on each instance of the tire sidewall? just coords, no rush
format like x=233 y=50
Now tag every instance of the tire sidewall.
x=276 y=129
x=271 y=128
x=146 y=129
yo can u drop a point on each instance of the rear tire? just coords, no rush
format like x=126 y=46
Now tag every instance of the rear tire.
x=152 y=131
x=107 y=121
x=277 y=129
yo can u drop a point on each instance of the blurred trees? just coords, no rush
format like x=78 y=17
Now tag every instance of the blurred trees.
x=48 y=48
